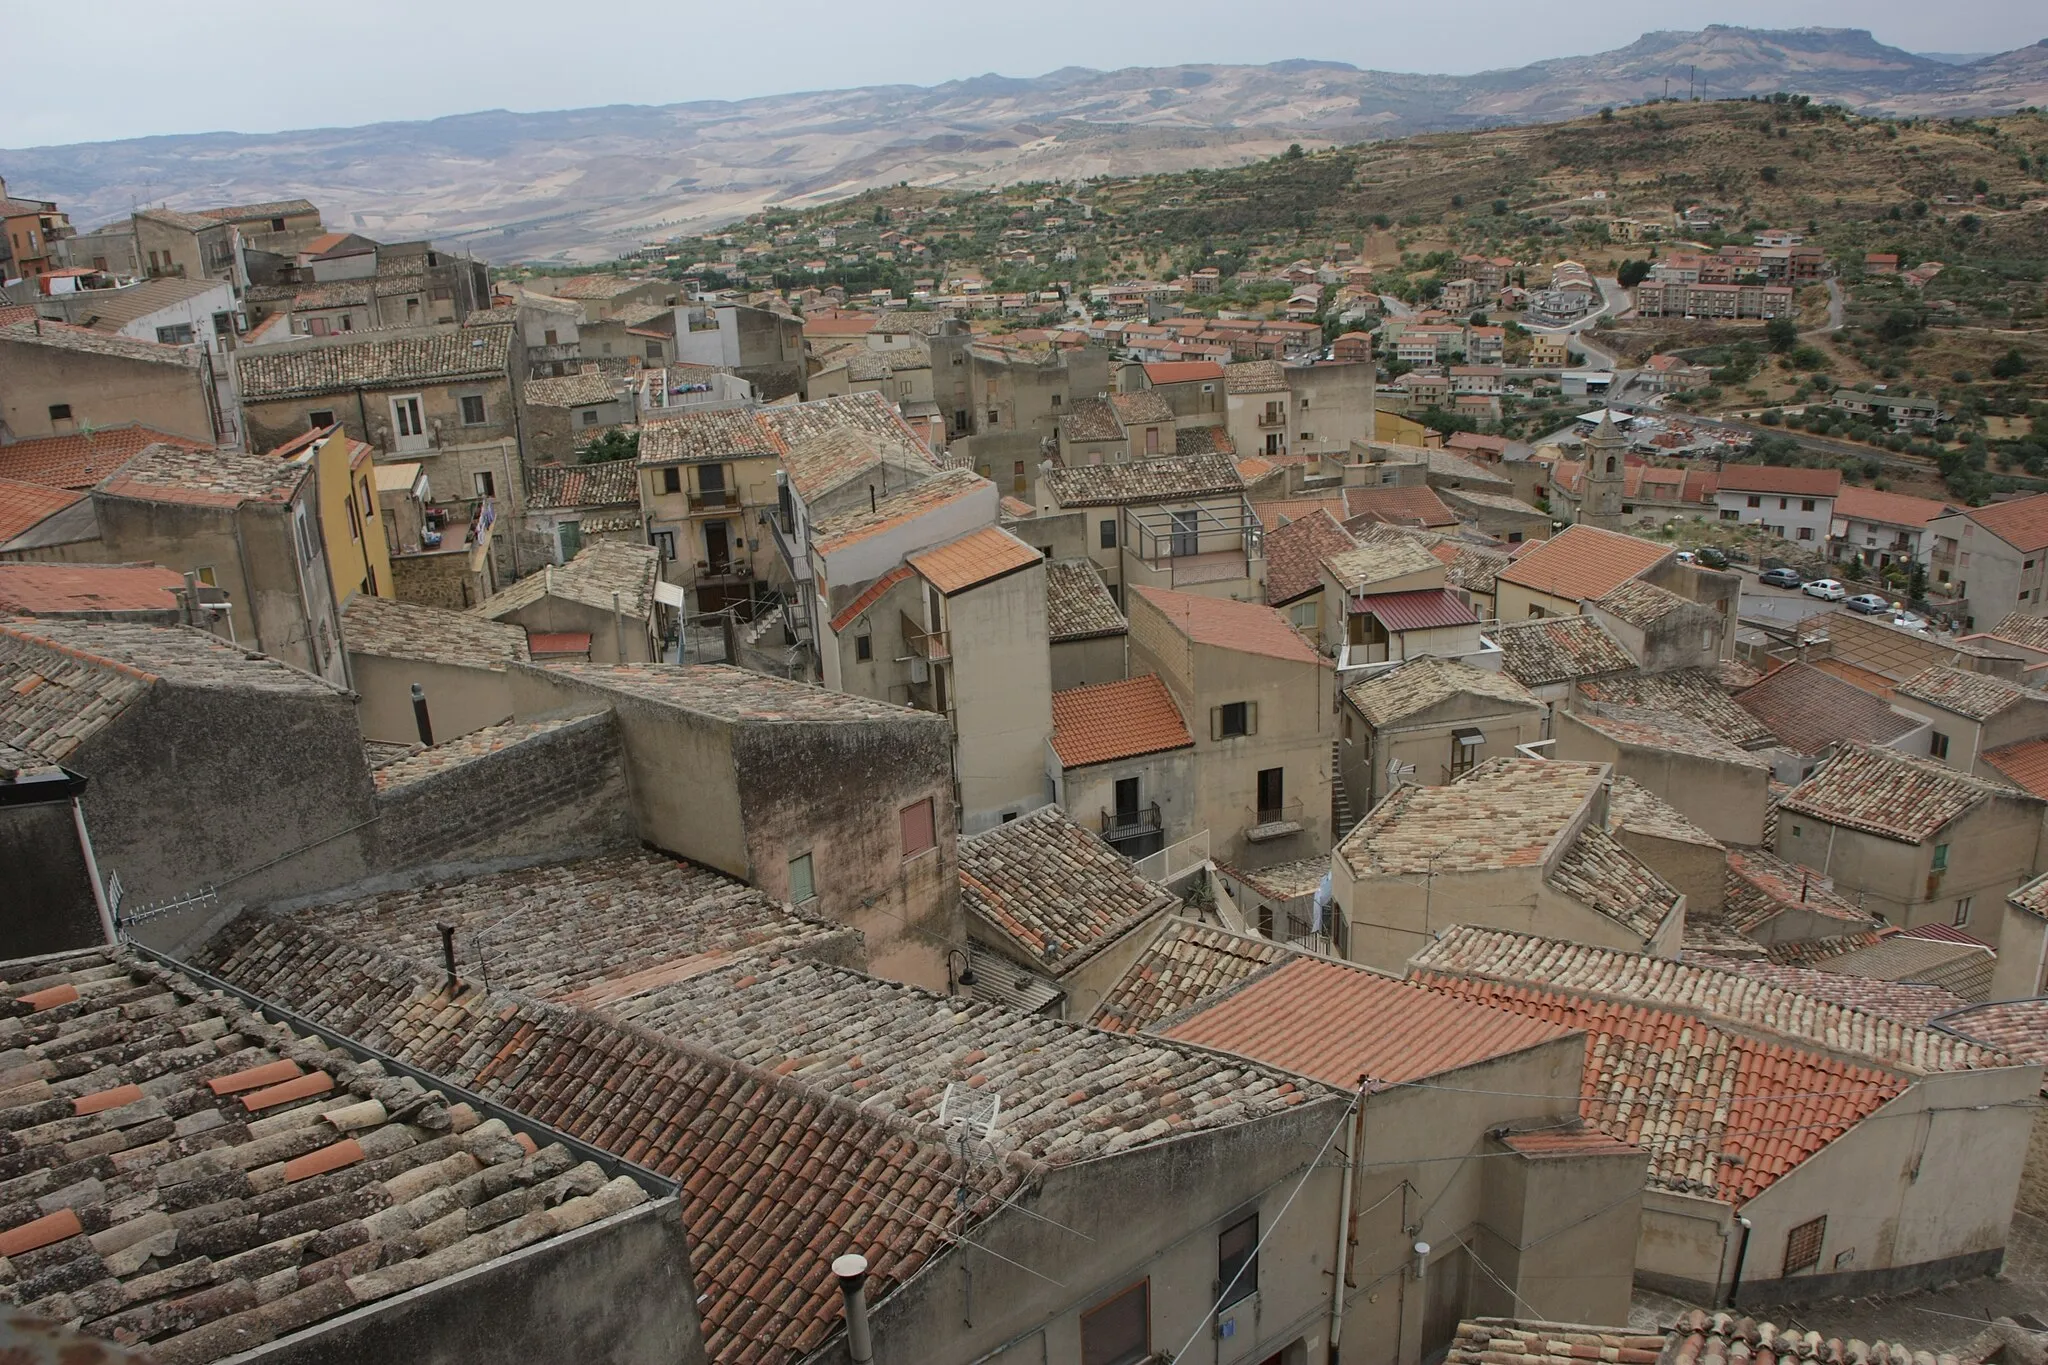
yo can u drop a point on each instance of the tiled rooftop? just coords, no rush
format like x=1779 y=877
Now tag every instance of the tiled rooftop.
x=1807 y=710
x=1762 y=886
x=392 y=629
x=727 y=434
x=1187 y=963
x=1295 y=551
x=1707 y=993
x=421 y=763
x=1600 y=873
x=2032 y=897
x=1979 y=696
x=1091 y=419
x=1962 y=968
x=1077 y=602
x=2020 y=628
x=1399 y=505
x=737 y=694
x=207 y=1183
x=1515 y=1341
x=79 y=461
x=973 y=559
x=1889 y=794
x=58 y=336
x=1875 y=644
x=2018 y=1028
x=1203 y=441
x=1255 y=376
x=1378 y=559
x=600 y=571
x=591 y=286
x=1141 y=481
x=1557 y=649
x=845 y=528
x=1702 y=1338
x=582 y=389
x=1633 y=809
x=1336 y=1022
x=1916 y=1005
x=1781 y=479
x=776 y=1175
x=2021 y=522
x=608 y=483
x=1054 y=889
x=1508 y=812
x=590 y=932
x=1102 y=722
x=1141 y=406
x=1409 y=689
x=1582 y=562
x=1284 y=881
x=1644 y=728
x=1246 y=627
x=1642 y=604
x=212 y=478
x=62 y=682
x=61 y=589
x=462 y=354
x=1695 y=694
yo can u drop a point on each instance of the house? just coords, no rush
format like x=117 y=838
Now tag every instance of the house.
x=80 y=460
x=1720 y=787
x=1574 y=567
x=1050 y=896
x=1811 y=713
x=1548 y=655
x=1428 y=721
x=1879 y=529
x=1968 y=713
x=1503 y=517
x=1549 y=351
x=1880 y=263
x=1793 y=504
x=1902 y=411
x=599 y=607
x=1660 y=628
x=189 y=246
x=1772 y=901
x=1387 y=562
x=605 y=297
x=1923 y=844
x=1179 y=522
x=147 y=594
x=1398 y=505
x=1673 y=373
x=250 y=525
x=1295 y=551
x=59 y=380
x=705 y=478
x=568 y=505
x=1695 y=1064
x=1516 y=843
x=1259 y=699
x=456 y=659
x=175 y=312
x=1994 y=557
x=1086 y=632
x=564 y=415
x=1306 y=409
x=366 y=1128
x=1123 y=749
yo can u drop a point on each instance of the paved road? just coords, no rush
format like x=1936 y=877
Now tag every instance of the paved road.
x=1395 y=308
x=1835 y=301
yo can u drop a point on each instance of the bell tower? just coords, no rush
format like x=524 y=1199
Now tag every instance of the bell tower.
x=1606 y=473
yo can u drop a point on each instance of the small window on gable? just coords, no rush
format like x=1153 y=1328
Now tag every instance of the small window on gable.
x=1233 y=720
x=864 y=647
x=918 y=831
x=802 y=887
x=1803 y=1243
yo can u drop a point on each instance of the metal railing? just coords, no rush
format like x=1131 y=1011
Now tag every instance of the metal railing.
x=713 y=499
x=1288 y=812
x=1130 y=824
x=1175 y=860
x=925 y=644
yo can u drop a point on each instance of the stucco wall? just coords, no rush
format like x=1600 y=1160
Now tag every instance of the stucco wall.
x=1001 y=696
x=47 y=904
x=459 y=699
x=103 y=391
x=1079 y=663
x=1726 y=799
x=1699 y=872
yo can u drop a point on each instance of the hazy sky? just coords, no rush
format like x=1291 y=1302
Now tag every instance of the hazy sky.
x=138 y=69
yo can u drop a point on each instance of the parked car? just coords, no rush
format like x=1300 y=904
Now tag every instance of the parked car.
x=1909 y=620
x=1867 y=603
x=1826 y=589
x=1780 y=578
x=1712 y=557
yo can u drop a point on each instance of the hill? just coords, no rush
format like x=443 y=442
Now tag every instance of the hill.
x=585 y=184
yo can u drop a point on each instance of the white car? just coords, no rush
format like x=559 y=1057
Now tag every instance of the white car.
x=1826 y=589
x=1909 y=620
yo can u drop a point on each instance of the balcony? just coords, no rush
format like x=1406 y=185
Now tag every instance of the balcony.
x=929 y=645
x=1275 y=822
x=1272 y=419
x=1136 y=824
x=714 y=500
x=1191 y=547
x=793 y=557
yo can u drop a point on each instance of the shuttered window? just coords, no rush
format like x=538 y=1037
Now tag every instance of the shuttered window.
x=918 y=834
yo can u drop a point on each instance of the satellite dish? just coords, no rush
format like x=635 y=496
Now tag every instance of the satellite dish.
x=1398 y=772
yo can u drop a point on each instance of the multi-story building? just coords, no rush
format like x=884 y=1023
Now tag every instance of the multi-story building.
x=1900 y=410
x=1995 y=558
x=1880 y=529
x=33 y=237
x=59 y=380
x=1661 y=298
x=706 y=478
x=1795 y=504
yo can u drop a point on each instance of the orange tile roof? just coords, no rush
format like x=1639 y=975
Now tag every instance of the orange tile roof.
x=22 y=505
x=1582 y=562
x=1273 y=511
x=973 y=559
x=1416 y=505
x=35 y=588
x=80 y=461
x=1762 y=478
x=869 y=596
x=1893 y=509
x=1247 y=627
x=2021 y=523
x=1335 y=1022
x=1106 y=721
x=1295 y=553
x=2025 y=764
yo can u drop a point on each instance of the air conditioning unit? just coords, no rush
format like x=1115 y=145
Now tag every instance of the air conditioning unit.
x=920 y=671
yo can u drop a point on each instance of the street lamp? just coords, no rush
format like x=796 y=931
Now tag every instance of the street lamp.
x=965 y=976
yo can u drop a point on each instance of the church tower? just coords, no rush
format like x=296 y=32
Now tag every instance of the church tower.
x=1606 y=472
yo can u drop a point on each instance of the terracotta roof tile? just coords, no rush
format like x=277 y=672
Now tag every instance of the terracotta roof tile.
x=59 y=589
x=1336 y=1022
x=1913 y=1004
x=1141 y=406
x=1378 y=559
x=1583 y=562
x=1187 y=962
x=1512 y=1341
x=1763 y=886
x=58 y=336
x=2021 y=523
x=1295 y=551
x=1102 y=722
x=1889 y=794
x=2018 y=1028
x=1979 y=696
x=846 y=528
x=1395 y=694
x=607 y=483
x=164 y=472
x=269 y=373
x=871 y=594
x=1699 y=1337
x=2018 y=628
x=1139 y=481
x=1634 y=809
x=974 y=559
x=1183 y=371
x=392 y=629
x=1645 y=728
x=1557 y=649
x=1077 y=602
x=1598 y=872
x=1414 y=505
x=1507 y=812
x=1807 y=710
x=82 y=460
x=727 y=434
x=1692 y=694
x=737 y=695
x=1963 y=968
x=1056 y=891
x=1890 y=509
x=1255 y=376
x=1781 y=479
x=1642 y=604
x=1246 y=627
x=422 y=763
x=600 y=571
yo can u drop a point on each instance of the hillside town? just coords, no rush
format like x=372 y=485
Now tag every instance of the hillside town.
x=917 y=783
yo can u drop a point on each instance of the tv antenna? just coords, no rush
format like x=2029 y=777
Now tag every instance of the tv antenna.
x=974 y=1110
x=1398 y=772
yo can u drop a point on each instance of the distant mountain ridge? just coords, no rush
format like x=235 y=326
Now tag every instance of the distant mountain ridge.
x=583 y=184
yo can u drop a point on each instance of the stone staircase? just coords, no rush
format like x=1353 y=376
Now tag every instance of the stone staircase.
x=1341 y=816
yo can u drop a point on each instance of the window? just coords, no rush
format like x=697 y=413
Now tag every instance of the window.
x=1802 y=1245
x=472 y=410
x=1731 y=515
x=590 y=417
x=1233 y=719
x=1963 y=910
x=369 y=499
x=303 y=526
x=960 y=420
x=1307 y=615
x=319 y=419
x=1055 y=400
x=1806 y=533
x=1272 y=795
x=1783 y=504
x=1237 y=1261
x=1465 y=746
x=918 y=833
x=405 y=416
x=1108 y=533
x=801 y=885
x=864 y=647
x=1806 y=504
x=549 y=338
x=179 y=334
x=1941 y=857
x=672 y=480
x=1937 y=745
x=60 y=412
x=486 y=484
x=1756 y=501
x=1119 y=1330
x=664 y=543
x=991 y=416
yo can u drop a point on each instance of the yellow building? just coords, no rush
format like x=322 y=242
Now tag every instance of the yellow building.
x=358 y=552
x=1393 y=427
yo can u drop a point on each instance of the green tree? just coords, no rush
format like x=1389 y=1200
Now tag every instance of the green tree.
x=1782 y=334
x=615 y=444
x=2011 y=365
x=1607 y=114
x=1632 y=273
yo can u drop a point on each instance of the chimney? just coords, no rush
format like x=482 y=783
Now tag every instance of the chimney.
x=851 y=1270
x=419 y=715
x=193 y=616
x=448 y=954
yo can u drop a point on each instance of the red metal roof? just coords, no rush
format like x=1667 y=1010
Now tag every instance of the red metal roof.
x=1422 y=609
x=1183 y=371
x=555 y=642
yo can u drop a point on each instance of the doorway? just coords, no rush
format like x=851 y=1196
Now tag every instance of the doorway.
x=717 y=549
x=1187 y=535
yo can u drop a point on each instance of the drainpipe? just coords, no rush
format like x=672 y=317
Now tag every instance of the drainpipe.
x=1741 y=1254
x=618 y=629
x=92 y=871
x=1354 y=1152
x=851 y=1270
